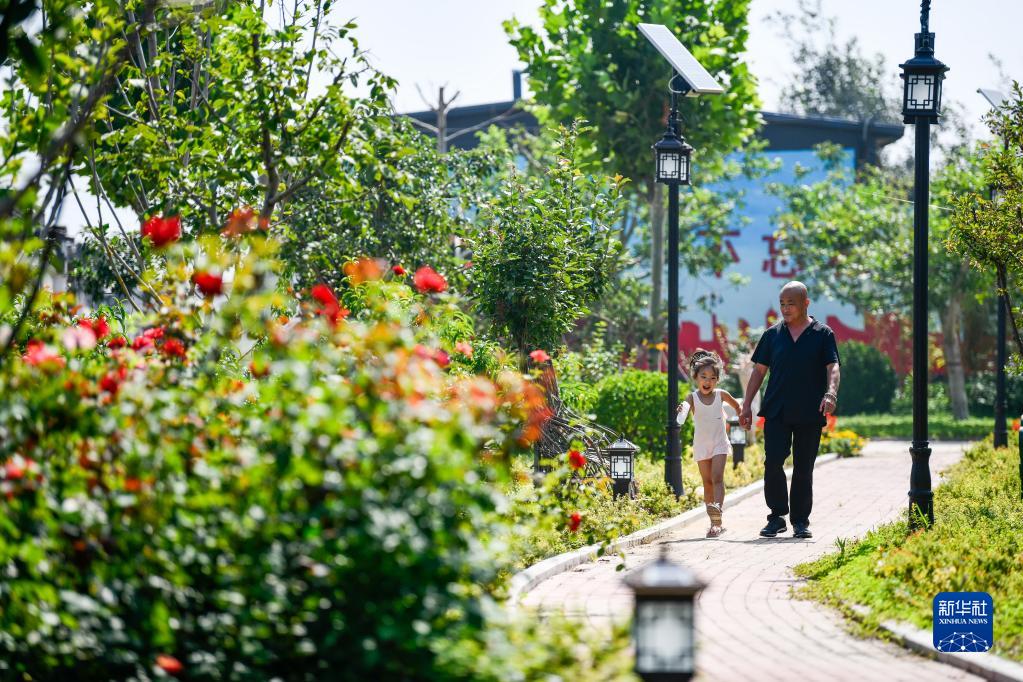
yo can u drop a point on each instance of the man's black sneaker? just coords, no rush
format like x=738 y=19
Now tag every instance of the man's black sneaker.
x=773 y=527
x=801 y=530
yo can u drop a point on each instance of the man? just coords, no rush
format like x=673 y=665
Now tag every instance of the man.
x=802 y=357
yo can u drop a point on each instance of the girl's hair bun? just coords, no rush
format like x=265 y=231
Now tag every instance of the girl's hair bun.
x=705 y=358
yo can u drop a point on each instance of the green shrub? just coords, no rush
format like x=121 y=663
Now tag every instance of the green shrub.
x=939 y=426
x=868 y=380
x=633 y=404
x=980 y=389
x=975 y=545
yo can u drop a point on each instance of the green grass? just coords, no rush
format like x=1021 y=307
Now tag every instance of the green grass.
x=976 y=544
x=940 y=426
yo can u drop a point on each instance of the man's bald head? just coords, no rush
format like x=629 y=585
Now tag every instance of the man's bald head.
x=794 y=288
x=794 y=301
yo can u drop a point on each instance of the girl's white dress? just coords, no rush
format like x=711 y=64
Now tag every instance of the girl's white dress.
x=709 y=436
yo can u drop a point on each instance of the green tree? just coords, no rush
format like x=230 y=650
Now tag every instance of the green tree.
x=545 y=249
x=989 y=229
x=587 y=60
x=851 y=236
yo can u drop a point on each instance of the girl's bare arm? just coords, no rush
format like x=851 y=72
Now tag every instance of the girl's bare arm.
x=727 y=397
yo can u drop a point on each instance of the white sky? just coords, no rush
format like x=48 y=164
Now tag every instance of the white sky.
x=461 y=43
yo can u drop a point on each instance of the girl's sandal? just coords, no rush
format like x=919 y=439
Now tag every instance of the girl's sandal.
x=715 y=531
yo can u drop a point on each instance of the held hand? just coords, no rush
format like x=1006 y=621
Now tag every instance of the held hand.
x=746 y=417
x=828 y=404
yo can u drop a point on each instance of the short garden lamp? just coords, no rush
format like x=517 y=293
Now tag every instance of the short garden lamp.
x=737 y=437
x=663 y=626
x=622 y=457
x=673 y=159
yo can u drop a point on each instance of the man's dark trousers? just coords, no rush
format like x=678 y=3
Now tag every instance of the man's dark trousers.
x=803 y=441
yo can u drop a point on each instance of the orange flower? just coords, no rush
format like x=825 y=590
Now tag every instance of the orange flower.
x=832 y=422
x=1015 y=425
x=363 y=270
x=241 y=221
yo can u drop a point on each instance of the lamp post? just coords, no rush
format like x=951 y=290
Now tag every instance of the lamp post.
x=673 y=163
x=622 y=457
x=921 y=105
x=663 y=626
x=1001 y=437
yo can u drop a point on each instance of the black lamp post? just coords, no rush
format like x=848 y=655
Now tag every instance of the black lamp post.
x=1001 y=435
x=663 y=626
x=673 y=163
x=921 y=105
x=622 y=458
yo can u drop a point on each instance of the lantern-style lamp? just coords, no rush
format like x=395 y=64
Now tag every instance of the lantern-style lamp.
x=673 y=159
x=663 y=626
x=922 y=76
x=622 y=457
x=737 y=437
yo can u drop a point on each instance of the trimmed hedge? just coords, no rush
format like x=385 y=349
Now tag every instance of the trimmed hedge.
x=868 y=380
x=633 y=404
x=940 y=426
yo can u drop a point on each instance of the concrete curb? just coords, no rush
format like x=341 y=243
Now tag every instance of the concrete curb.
x=525 y=580
x=985 y=665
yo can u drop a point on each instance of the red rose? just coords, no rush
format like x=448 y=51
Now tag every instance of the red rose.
x=576 y=459
x=117 y=342
x=141 y=343
x=209 y=283
x=428 y=280
x=169 y=664
x=173 y=348
x=153 y=333
x=38 y=354
x=330 y=307
x=162 y=231
x=574 y=521
x=398 y=270
x=99 y=326
x=539 y=356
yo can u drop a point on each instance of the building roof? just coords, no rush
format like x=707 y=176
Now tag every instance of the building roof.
x=781 y=131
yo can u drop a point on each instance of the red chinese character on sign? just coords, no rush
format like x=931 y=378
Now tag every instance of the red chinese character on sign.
x=778 y=264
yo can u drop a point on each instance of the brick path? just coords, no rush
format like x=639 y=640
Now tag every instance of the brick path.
x=748 y=625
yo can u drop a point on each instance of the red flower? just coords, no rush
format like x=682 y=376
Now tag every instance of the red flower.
x=13 y=471
x=209 y=283
x=574 y=521
x=99 y=326
x=398 y=270
x=760 y=423
x=467 y=264
x=427 y=280
x=464 y=348
x=153 y=333
x=173 y=348
x=331 y=308
x=117 y=342
x=169 y=664
x=832 y=422
x=576 y=459
x=1015 y=425
x=110 y=383
x=38 y=354
x=539 y=356
x=441 y=358
x=162 y=231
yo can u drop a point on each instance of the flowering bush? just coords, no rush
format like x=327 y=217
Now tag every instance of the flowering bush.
x=190 y=504
x=845 y=443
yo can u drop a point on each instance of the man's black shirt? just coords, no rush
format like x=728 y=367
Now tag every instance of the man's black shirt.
x=799 y=376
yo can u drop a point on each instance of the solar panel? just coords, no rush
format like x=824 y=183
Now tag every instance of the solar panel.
x=684 y=63
x=994 y=97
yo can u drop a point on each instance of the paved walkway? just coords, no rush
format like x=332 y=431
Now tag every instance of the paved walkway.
x=748 y=625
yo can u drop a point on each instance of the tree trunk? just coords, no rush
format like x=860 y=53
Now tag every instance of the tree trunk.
x=656 y=198
x=951 y=321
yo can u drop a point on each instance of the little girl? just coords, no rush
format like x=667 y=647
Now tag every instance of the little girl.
x=710 y=441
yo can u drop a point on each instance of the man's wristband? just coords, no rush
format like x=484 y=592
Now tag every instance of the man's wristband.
x=833 y=396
